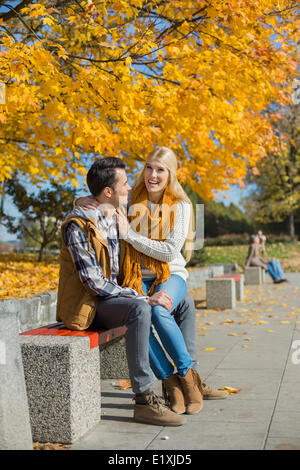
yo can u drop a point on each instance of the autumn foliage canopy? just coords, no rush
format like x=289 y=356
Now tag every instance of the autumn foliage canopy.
x=117 y=77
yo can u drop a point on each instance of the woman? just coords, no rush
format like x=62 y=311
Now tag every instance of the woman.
x=273 y=267
x=153 y=262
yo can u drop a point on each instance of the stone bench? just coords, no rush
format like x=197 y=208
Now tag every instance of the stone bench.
x=63 y=371
x=254 y=275
x=220 y=293
x=239 y=283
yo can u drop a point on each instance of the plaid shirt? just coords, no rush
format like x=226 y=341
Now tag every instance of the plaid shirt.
x=87 y=266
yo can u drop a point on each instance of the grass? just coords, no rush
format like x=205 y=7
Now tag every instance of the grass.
x=287 y=253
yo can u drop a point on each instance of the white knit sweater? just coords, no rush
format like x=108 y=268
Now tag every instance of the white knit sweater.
x=169 y=249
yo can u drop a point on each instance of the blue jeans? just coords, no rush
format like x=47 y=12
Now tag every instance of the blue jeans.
x=168 y=331
x=274 y=269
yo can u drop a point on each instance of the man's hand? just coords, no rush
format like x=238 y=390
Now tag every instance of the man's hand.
x=87 y=202
x=123 y=223
x=161 y=298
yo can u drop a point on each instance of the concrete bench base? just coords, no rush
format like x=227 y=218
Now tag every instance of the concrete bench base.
x=15 y=432
x=239 y=283
x=114 y=360
x=62 y=378
x=63 y=381
x=220 y=293
x=254 y=275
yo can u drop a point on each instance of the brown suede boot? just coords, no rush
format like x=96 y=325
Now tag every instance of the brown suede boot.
x=208 y=392
x=192 y=392
x=173 y=394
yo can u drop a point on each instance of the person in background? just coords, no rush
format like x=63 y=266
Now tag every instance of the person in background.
x=262 y=243
x=273 y=267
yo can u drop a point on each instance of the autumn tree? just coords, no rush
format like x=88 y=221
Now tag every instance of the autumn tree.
x=277 y=177
x=41 y=212
x=118 y=77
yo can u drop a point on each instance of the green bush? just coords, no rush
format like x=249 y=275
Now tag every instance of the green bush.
x=238 y=239
x=198 y=258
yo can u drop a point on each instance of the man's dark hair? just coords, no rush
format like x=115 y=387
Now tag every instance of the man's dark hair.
x=103 y=173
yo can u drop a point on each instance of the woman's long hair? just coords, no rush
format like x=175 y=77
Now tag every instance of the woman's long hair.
x=168 y=158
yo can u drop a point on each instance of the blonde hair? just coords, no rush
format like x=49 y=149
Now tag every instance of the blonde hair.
x=167 y=157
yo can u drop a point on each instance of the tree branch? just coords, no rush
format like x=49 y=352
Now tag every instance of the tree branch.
x=13 y=11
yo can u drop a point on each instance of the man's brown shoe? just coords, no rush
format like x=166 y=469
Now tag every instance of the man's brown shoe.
x=173 y=394
x=212 y=394
x=156 y=412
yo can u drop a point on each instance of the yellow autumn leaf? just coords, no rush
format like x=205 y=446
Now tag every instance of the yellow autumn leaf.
x=230 y=390
x=209 y=349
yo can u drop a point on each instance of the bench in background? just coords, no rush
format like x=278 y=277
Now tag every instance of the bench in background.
x=254 y=275
x=239 y=283
x=220 y=293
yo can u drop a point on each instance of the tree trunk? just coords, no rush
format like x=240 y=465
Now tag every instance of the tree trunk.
x=41 y=253
x=291 y=226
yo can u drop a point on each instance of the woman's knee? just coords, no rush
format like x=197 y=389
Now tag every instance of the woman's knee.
x=159 y=314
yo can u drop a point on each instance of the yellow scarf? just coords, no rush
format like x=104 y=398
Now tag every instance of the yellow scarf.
x=158 y=224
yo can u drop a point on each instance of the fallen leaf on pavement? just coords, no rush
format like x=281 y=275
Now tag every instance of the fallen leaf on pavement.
x=270 y=331
x=124 y=385
x=49 y=446
x=230 y=390
x=209 y=349
x=284 y=322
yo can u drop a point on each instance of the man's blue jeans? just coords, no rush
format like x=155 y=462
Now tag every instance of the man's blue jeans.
x=168 y=331
x=274 y=269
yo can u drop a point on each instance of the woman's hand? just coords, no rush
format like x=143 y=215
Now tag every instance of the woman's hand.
x=87 y=202
x=123 y=223
x=161 y=298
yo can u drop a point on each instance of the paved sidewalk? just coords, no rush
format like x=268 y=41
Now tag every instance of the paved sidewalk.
x=253 y=352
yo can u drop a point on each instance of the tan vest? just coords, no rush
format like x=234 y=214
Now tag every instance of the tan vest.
x=76 y=306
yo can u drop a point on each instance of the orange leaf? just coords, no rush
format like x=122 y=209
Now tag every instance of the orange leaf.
x=124 y=385
x=230 y=390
